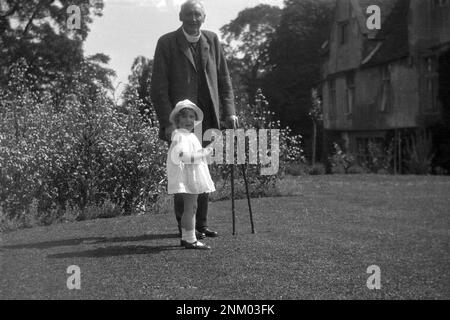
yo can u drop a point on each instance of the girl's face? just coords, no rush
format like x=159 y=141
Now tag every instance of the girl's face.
x=186 y=119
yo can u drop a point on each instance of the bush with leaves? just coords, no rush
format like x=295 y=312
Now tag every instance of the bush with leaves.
x=379 y=158
x=79 y=154
x=419 y=152
x=259 y=116
x=340 y=161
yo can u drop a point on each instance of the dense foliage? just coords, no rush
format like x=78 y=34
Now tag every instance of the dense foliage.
x=69 y=148
x=38 y=32
x=85 y=153
x=278 y=50
x=258 y=116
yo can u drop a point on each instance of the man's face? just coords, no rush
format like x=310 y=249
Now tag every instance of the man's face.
x=192 y=17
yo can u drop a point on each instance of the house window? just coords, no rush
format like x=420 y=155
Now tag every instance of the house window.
x=386 y=95
x=343 y=32
x=332 y=95
x=350 y=93
x=430 y=85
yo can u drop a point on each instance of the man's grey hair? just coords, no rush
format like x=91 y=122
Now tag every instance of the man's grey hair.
x=192 y=2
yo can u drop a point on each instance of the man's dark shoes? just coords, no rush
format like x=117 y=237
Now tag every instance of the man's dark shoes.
x=196 y=245
x=200 y=235
x=209 y=233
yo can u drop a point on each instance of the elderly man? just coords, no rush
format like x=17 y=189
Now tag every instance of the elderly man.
x=189 y=64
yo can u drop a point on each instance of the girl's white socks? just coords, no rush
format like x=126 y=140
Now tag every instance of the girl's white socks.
x=188 y=235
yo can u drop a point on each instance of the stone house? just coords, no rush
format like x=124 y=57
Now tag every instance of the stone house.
x=383 y=85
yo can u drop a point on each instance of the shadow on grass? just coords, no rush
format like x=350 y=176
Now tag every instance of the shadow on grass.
x=89 y=240
x=114 y=251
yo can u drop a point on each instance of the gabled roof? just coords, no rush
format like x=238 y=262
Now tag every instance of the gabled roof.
x=393 y=36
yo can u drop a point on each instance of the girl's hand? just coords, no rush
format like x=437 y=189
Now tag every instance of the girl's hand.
x=232 y=122
x=208 y=151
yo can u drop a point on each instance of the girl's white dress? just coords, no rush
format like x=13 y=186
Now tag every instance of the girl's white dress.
x=187 y=169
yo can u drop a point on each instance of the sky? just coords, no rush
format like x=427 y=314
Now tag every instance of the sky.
x=130 y=28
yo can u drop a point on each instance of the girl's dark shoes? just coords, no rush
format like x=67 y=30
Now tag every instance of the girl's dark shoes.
x=196 y=245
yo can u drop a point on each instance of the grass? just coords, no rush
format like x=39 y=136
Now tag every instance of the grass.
x=316 y=243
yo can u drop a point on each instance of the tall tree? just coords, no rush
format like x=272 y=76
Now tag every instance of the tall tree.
x=139 y=87
x=295 y=60
x=316 y=114
x=247 y=40
x=140 y=78
x=37 y=31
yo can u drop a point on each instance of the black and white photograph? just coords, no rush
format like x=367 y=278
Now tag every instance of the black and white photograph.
x=228 y=156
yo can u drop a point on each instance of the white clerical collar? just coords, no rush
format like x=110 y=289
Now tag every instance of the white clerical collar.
x=190 y=38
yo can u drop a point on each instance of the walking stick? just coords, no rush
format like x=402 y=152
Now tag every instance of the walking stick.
x=248 y=198
x=243 y=167
x=232 y=199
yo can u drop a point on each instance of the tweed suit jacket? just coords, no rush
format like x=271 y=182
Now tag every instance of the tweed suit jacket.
x=174 y=78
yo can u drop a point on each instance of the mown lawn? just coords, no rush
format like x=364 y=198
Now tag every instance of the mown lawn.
x=316 y=243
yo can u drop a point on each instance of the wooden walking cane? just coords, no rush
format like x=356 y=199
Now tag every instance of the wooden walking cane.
x=232 y=199
x=243 y=167
x=248 y=199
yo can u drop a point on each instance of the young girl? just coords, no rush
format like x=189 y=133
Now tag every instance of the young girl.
x=187 y=169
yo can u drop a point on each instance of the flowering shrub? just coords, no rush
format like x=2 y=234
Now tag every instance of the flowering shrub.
x=259 y=116
x=85 y=157
x=341 y=161
x=79 y=154
x=379 y=158
x=419 y=152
